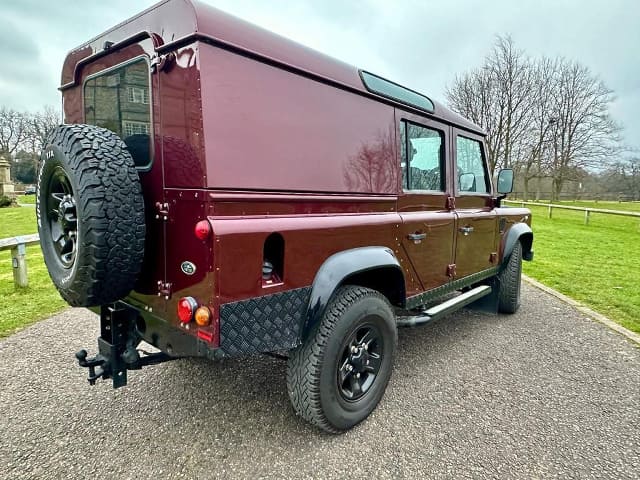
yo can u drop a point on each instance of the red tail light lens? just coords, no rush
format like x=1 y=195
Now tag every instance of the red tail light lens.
x=186 y=307
x=203 y=229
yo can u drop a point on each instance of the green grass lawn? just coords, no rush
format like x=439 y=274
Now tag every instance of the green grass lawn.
x=606 y=205
x=27 y=199
x=597 y=264
x=22 y=307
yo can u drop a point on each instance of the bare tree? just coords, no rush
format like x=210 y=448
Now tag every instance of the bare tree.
x=39 y=125
x=584 y=134
x=543 y=117
x=535 y=145
x=13 y=130
x=498 y=98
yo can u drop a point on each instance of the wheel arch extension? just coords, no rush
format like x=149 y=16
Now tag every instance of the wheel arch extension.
x=520 y=232
x=373 y=267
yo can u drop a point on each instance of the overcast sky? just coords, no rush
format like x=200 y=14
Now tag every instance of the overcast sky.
x=421 y=44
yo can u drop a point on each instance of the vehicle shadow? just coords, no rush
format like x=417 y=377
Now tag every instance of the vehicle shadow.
x=250 y=394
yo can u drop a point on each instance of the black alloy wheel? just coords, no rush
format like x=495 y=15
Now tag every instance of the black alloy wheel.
x=62 y=217
x=360 y=362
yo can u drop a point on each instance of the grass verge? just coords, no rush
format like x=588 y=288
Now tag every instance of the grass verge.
x=20 y=308
x=27 y=199
x=596 y=264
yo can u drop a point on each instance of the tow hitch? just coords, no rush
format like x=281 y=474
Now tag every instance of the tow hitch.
x=117 y=348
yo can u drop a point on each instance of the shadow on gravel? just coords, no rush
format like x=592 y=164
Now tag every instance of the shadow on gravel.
x=250 y=392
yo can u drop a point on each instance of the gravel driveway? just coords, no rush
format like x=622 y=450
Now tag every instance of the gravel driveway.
x=543 y=393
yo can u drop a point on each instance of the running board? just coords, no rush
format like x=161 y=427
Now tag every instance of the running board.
x=438 y=311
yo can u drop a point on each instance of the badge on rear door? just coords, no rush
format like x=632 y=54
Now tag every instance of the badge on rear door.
x=188 y=268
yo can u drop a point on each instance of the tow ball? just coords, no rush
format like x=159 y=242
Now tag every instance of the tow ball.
x=117 y=348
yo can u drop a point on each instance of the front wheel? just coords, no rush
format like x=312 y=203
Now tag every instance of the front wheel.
x=509 y=281
x=338 y=375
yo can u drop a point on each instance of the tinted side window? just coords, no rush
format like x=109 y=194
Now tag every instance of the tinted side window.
x=471 y=175
x=118 y=99
x=422 y=151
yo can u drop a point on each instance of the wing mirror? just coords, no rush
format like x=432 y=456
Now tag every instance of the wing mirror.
x=505 y=181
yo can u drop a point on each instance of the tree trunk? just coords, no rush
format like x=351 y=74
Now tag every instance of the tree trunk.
x=557 y=188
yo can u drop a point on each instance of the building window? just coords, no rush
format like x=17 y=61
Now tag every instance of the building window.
x=118 y=99
x=471 y=175
x=138 y=95
x=136 y=128
x=422 y=151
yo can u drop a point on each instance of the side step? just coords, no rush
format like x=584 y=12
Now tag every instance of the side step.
x=438 y=311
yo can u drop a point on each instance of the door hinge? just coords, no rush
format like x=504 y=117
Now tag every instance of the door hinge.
x=162 y=211
x=451 y=270
x=162 y=62
x=451 y=203
x=493 y=257
x=164 y=289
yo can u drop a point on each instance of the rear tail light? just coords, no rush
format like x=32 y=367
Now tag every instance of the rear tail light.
x=203 y=229
x=203 y=316
x=186 y=309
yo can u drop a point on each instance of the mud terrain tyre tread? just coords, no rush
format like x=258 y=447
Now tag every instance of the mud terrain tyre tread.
x=110 y=212
x=305 y=364
x=510 y=280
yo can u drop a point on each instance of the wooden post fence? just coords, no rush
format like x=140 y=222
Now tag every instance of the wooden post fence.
x=587 y=210
x=18 y=247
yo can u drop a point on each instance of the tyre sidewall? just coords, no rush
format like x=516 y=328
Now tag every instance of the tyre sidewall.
x=343 y=414
x=64 y=278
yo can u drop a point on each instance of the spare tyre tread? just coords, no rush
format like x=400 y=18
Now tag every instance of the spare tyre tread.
x=110 y=211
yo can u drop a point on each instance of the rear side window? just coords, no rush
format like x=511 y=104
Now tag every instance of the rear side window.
x=396 y=92
x=422 y=153
x=118 y=99
x=471 y=176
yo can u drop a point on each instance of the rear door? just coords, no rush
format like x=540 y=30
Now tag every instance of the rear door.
x=427 y=222
x=123 y=96
x=475 y=216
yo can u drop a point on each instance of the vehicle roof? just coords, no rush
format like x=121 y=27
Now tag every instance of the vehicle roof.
x=173 y=23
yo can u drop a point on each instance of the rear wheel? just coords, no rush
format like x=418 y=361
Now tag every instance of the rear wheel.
x=510 y=280
x=338 y=376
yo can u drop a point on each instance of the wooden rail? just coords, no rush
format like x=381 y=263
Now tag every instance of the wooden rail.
x=587 y=210
x=18 y=247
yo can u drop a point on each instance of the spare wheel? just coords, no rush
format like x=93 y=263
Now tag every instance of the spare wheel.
x=90 y=212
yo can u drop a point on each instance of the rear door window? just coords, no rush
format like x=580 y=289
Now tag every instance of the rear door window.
x=119 y=99
x=422 y=158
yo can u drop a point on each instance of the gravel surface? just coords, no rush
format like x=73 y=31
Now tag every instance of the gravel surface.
x=543 y=393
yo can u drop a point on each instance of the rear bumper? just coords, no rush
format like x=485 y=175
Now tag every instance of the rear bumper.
x=167 y=338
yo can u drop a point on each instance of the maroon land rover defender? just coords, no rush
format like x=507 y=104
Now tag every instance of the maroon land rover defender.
x=218 y=191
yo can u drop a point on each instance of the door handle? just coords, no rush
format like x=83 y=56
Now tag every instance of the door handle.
x=466 y=230
x=417 y=237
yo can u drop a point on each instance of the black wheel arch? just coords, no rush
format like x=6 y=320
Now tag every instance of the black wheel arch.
x=373 y=267
x=520 y=232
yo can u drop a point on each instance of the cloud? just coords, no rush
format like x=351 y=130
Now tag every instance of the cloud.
x=421 y=44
